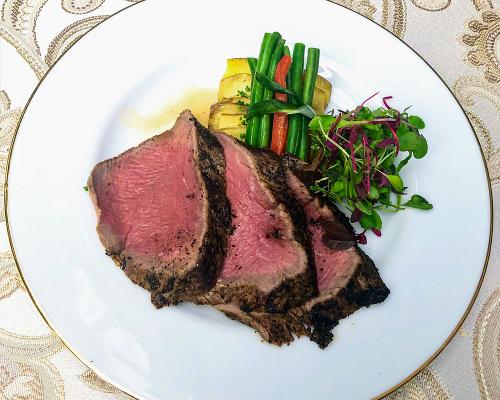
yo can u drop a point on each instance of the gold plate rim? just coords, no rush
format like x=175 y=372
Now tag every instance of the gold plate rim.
x=137 y=397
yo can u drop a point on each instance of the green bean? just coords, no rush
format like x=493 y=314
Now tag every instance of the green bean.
x=310 y=75
x=266 y=51
x=307 y=96
x=286 y=51
x=304 y=144
x=264 y=138
x=252 y=63
x=250 y=122
x=295 y=121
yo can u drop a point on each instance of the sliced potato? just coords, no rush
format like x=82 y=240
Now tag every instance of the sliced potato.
x=321 y=96
x=228 y=114
x=324 y=85
x=232 y=86
x=236 y=66
x=227 y=117
x=319 y=101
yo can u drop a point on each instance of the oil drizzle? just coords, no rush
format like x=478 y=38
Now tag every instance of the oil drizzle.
x=197 y=100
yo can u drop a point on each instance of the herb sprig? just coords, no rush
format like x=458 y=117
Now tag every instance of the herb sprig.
x=358 y=153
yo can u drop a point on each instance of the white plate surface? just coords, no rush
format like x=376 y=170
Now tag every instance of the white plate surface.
x=147 y=57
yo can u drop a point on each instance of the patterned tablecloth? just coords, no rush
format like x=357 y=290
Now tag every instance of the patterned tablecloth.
x=459 y=38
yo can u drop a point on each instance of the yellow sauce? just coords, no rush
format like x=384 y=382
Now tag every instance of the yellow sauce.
x=196 y=100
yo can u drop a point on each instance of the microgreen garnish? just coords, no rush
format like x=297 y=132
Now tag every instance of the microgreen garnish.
x=242 y=93
x=359 y=154
x=273 y=106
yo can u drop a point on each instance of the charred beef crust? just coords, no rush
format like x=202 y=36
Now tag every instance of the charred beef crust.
x=291 y=292
x=363 y=289
x=211 y=255
x=277 y=329
x=296 y=291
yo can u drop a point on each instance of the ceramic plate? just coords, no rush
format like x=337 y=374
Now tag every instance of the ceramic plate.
x=125 y=81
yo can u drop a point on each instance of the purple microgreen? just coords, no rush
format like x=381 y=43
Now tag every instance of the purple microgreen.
x=358 y=151
x=353 y=157
x=384 y=100
x=385 y=143
x=356 y=215
x=377 y=232
x=361 y=190
x=394 y=136
x=368 y=161
x=353 y=135
x=383 y=181
x=358 y=108
x=361 y=238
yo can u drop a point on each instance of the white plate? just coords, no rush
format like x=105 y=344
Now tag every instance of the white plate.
x=144 y=58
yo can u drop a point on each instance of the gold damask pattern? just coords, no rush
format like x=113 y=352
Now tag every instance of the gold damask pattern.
x=363 y=7
x=425 y=386
x=482 y=4
x=431 y=5
x=92 y=380
x=470 y=89
x=10 y=280
x=17 y=27
x=482 y=39
x=8 y=123
x=69 y=35
x=25 y=370
x=394 y=16
x=81 y=6
x=486 y=348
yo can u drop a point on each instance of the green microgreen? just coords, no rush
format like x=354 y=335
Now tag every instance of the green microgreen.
x=361 y=156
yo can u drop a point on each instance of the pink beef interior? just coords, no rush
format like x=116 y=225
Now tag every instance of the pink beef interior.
x=333 y=267
x=261 y=243
x=131 y=193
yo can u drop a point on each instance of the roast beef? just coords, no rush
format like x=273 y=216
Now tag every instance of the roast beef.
x=269 y=265
x=347 y=278
x=163 y=214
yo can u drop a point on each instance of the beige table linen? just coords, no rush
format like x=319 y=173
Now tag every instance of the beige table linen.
x=459 y=38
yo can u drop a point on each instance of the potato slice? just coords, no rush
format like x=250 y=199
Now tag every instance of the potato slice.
x=227 y=117
x=319 y=101
x=324 y=85
x=321 y=96
x=232 y=86
x=236 y=66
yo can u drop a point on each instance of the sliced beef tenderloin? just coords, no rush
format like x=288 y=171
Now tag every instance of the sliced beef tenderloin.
x=269 y=265
x=163 y=215
x=347 y=278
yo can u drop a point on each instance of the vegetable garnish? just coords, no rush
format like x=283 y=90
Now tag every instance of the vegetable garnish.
x=266 y=51
x=358 y=159
x=273 y=106
x=311 y=74
x=264 y=137
x=279 y=101
x=296 y=72
x=280 y=120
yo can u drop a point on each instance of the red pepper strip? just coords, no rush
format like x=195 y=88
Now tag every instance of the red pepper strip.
x=280 y=120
